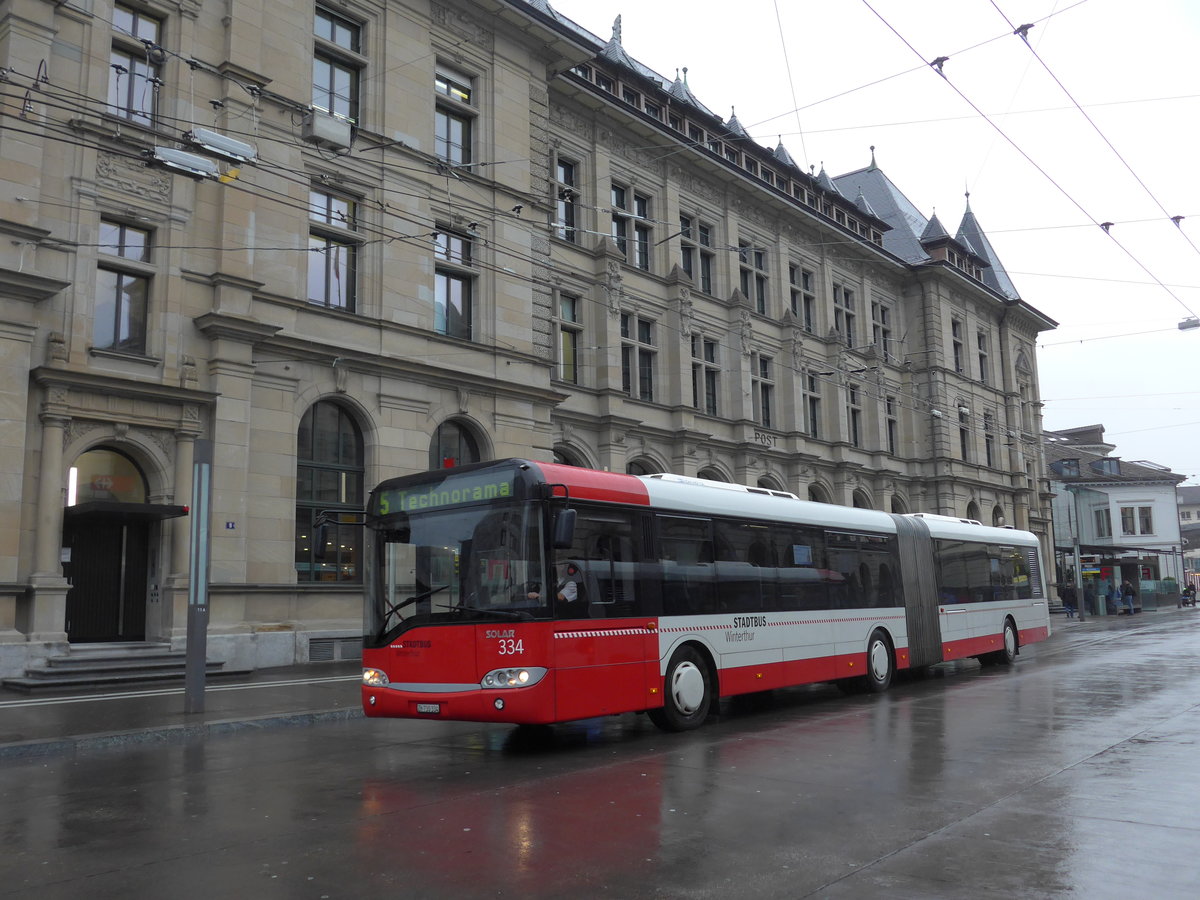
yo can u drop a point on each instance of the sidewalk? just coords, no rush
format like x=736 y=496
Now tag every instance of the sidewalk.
x=296 y=695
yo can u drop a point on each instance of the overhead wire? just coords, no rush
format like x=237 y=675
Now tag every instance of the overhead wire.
x=1065 y=193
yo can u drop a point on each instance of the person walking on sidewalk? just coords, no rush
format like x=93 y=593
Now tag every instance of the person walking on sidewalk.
x=1070 y=599
x=1128 y=594
x=1089 y=599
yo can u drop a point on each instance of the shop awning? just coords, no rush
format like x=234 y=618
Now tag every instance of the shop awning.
x=124 y=513
x=1111 y=551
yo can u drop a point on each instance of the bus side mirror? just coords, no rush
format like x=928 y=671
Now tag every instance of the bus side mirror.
x=564 y=529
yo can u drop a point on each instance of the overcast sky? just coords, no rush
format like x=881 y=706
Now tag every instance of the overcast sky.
x=834 y=78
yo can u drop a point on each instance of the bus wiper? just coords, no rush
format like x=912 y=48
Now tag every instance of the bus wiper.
x=504 y=613
x=408 y=601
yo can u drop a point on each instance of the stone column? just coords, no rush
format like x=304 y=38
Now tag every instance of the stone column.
x=47 y=616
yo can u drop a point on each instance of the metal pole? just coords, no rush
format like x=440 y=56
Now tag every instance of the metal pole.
x=198 y=564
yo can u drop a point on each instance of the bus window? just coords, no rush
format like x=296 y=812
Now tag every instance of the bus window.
x=802 y=579
x=686 y=550
x=602 y=553
x=964 y=572
x=745 y=566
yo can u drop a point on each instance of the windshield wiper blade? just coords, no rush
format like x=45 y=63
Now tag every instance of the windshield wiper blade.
x=503 y=613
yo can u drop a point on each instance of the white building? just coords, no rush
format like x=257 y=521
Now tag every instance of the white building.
x=1122 y=514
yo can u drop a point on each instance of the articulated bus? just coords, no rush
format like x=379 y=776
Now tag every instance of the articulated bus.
x=534 y=593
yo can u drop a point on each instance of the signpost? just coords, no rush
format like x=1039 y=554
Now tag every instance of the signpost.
x=198 y=562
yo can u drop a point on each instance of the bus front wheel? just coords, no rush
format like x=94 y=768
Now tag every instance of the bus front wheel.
x=687 y=690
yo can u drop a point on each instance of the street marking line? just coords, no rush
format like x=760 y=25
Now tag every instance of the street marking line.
x=163 y=692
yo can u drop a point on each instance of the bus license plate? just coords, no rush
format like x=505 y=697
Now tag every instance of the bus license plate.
x=429 y=707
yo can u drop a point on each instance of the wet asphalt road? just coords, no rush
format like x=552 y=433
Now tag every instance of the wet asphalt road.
x=1075 y=773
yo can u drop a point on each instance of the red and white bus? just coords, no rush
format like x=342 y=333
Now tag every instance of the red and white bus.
x=533 y=593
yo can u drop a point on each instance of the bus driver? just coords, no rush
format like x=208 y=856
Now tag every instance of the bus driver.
x=568 y=584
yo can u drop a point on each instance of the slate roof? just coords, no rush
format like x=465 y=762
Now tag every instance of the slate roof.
x=1058 y=447
x=891 y=206
x=994 y=276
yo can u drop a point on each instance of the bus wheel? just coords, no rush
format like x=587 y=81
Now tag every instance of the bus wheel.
x=881 y=664
x=1007 y=654
x=688 y=693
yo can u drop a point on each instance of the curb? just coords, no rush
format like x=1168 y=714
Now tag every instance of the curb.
x=168 y=734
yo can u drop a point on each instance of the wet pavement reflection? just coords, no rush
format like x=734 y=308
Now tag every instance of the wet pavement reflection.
x=1075 y=772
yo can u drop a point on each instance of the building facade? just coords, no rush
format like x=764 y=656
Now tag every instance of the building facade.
x=340 y=242
x=1121 y=517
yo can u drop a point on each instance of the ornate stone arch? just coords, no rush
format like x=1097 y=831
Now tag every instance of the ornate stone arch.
x=819 y=492
x=770 y=482
x=973 y=510
x=572 y=454
x=714 y=472
x=899 y=504
x=998 y=516
x=648 y=464
x=861 y=499
x=468 y=424
x=149 y=452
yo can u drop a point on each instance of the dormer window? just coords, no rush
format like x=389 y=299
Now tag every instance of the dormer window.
x=1107 y=466
x=1067 y=468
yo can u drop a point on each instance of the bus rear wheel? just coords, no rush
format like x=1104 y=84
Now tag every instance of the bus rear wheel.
x=687 y=690
x=881 y=663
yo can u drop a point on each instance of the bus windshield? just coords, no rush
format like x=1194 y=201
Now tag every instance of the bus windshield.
x=462 y=564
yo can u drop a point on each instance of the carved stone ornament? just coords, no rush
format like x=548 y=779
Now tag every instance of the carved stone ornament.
x=613 y=289
x=56 y=348
x=460 y=24
x=131 y=177
x=686 y=313
x=747 y=330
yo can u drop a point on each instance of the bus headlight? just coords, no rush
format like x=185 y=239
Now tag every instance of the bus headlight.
x=513 y=678
x=375 y=677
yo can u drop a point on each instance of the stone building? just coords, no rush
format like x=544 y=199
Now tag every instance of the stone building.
x=343 y=241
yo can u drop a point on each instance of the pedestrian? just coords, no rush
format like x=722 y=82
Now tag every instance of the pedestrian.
x=1089 y=599
x=1069 y=599
x=1128 y=594
x=1112 y=598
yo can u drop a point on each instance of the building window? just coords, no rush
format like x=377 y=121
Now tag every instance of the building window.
x=854 y=415
x=812 y=405
x=1145 y=520
x=335 y=68
x=981 y=342
x=454 y=114
x=604 y=82
x=567 y=201
x=333 y=251
x=893 y=426
x=762 y=386
x=956 y=340
x=1103 y=523
x=844 y=313
x=631 y=211
x=133 y=81
x=803 y=296
x=454 y=282
x=1128 y=520
x=1186 y=515
x=753 y=271
x=569 y=333
x=653 y=110
x=329 y=480
x=638 y=353
x=964 y=434
x=122 y=288
x=989 y=439
x=452 y=445
x=706 y=375
x=696 y=255
x=881 y=328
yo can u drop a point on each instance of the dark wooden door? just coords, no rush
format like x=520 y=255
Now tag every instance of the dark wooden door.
x=107 y=572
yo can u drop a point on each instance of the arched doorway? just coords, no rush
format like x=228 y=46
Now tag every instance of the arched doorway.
x=110 y=558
